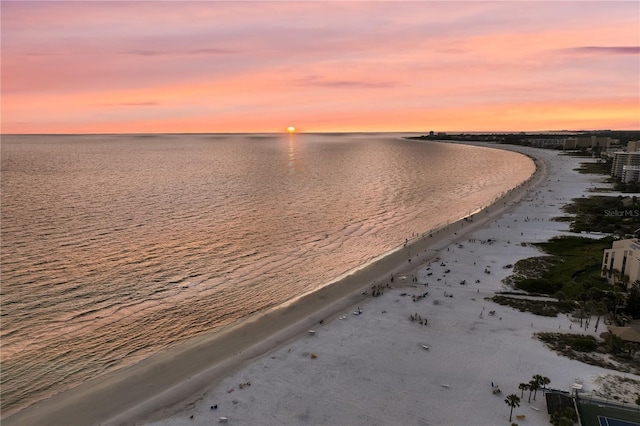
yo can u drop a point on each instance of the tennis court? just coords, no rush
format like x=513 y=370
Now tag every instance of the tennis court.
x=595 y=411
x=609 y=421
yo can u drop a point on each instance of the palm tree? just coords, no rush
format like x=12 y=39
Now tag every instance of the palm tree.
x=539 y=381
x=523 y=387
x=544 y=382
x=512 y=401
x=619 y=297
x=534 y=387
x=616 y=275
x=582 y=303
x=590 y=306
x=599 y=309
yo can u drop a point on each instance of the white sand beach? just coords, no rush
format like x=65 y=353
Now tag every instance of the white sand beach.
x=374 y=368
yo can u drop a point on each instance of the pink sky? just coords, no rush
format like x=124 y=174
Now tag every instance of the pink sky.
x=207 y=66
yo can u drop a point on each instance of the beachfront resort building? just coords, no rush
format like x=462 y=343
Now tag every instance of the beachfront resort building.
x=550 y=142
x=622 y=260
x=589 y=142
x=630 y=174
x=575 y=142
x=621 y=159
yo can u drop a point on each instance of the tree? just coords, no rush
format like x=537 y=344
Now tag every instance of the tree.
x=532 y=385
x=590 y=308
x=619 y=296
x=631 y=349
x=633 y=301
x=523 y=387
x=582 y=303
x=544 y=382
x=512 y=401
x=540 y=382
x=616 y=275
x=561 y=296
x=535 y=385
x=566 y=417
x=599 y=308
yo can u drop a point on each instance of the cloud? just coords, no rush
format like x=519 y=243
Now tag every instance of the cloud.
x=345 y=84
x=129 y=104
x=203 y=51
x=604 y=50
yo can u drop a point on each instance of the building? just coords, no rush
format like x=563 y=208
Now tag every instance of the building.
x=622 y=259
x=621 y=159
x=633 y=146
x=579 y=142
x=630 y=174
x=555 y=143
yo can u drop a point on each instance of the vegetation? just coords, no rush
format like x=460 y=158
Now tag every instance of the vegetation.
x=520 y=138
x=632 y=305
x=512 y=401
x=599 y=168
x=523 y=387
x=630 y=187
x=610 y=353
x=574 y=267
x=565 y=343
x=599 y=213
x=546 y=308
x=572 y=274
x=536 y=383
x=565 y=417
x=603 y=167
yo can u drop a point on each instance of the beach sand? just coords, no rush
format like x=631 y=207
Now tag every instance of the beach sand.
x=369 y=368
x=372 y=369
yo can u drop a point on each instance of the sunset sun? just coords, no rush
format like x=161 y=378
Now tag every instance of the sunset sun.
x=291 y=129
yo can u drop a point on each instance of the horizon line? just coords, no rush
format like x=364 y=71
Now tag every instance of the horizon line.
x=455 y=132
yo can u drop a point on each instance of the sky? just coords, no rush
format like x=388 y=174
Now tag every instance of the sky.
x=322 y=66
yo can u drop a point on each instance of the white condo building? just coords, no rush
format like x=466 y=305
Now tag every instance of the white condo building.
x=630 y=174
x=621 y=159
x=623 y=258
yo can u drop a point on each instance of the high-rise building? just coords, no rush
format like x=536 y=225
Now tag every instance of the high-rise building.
x=621 y=159
x=630 y=174
x=578 y=142
x=622 y=259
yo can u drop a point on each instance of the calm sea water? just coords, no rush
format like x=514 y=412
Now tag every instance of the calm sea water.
x=116 y=247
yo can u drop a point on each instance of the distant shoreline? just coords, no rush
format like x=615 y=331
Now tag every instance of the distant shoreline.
x=172 y=376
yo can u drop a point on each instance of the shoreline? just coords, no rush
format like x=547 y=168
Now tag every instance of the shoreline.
x=184 y=371
x=388 y=365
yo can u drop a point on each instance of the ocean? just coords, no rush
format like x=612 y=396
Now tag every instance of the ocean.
x=115 y=247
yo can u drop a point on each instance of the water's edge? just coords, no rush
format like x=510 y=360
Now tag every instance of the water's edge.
x=215 y=352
